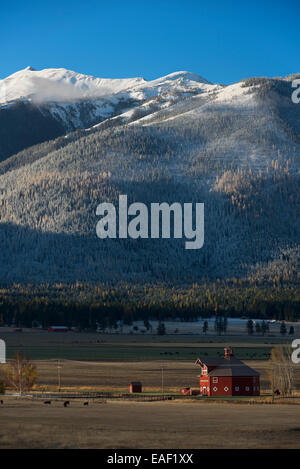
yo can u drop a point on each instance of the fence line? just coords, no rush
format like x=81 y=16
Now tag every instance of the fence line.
x=105 y=395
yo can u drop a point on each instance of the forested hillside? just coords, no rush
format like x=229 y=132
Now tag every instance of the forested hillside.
x=234 y=148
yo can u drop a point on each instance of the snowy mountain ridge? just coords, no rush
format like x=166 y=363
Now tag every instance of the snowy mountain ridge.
x=61 y=85
x=36 y=106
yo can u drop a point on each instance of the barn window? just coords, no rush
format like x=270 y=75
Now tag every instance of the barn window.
x=226 y=389
x=247 y=388
x=215 y=388
x=215 y=380
x=237 y=388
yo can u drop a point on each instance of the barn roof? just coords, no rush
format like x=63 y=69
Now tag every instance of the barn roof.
x=228 y=367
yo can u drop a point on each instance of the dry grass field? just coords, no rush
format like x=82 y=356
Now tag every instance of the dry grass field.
x=171 y=424
x=111 y=361
x=95 y=362
x=105 y=376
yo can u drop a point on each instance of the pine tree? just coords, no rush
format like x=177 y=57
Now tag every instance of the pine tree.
x=264 y=327
x=161 y=329
x=283 y=329
x=250 y=326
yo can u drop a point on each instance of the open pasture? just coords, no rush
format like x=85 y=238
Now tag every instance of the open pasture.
x=171 y=424
x=43 y=345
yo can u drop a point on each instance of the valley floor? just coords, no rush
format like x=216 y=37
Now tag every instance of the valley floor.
x=95 y=362
x=31 y=424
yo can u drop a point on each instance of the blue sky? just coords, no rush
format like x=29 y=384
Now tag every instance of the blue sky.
x=224 y=41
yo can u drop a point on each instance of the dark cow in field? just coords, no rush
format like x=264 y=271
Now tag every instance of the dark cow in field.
x=66 y=403
x=277 y=392
x=85 y=403
x=47 y=402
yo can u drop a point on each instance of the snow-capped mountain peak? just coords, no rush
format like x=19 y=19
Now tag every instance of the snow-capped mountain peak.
x=62 y=85
x=59 y=85
x=58 y=101
x=184 y=75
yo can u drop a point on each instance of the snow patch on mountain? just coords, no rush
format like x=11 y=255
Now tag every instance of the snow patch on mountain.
x=61 y=85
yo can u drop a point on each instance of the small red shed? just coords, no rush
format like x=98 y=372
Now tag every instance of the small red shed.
x=227 y=376
x=135 y=386
x=185 y=391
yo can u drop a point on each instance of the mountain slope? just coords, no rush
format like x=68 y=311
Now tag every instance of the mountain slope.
x=236 y=149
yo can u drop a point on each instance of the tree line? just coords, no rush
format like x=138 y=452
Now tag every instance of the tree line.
x=86 y=305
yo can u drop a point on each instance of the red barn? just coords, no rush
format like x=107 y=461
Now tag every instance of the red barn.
x=227 y=376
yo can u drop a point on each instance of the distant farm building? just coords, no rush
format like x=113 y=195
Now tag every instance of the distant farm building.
x=135 y=386
x=185 y=391
x=58 y=329
x=227 y=376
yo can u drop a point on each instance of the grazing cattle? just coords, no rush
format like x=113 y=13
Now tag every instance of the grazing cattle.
x=85 y=403
x=1 y=402
x=47 y=402
x=66 y=403
x=277 y=392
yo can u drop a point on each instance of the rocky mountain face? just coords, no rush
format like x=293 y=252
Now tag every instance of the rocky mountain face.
x=36 y=106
